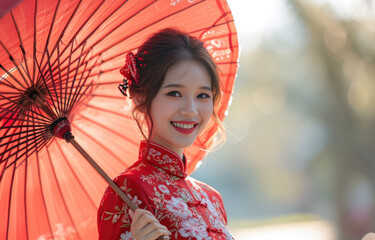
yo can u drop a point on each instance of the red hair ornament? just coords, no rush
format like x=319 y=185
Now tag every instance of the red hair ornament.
x=130 y=73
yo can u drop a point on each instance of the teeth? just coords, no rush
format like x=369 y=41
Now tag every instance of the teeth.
x=184 y=126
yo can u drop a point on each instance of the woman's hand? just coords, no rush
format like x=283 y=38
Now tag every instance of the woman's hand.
x=146 y=227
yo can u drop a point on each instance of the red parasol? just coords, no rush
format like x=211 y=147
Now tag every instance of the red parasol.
x=60 y=61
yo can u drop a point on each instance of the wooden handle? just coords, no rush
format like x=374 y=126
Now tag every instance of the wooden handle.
x=104 y=175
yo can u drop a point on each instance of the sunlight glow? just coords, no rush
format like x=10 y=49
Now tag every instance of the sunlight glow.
x=258 y=16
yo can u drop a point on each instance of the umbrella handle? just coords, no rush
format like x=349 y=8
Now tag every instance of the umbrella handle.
x=107 y=178
x=103 y=174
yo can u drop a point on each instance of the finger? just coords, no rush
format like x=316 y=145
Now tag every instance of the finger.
x=139 y=213
x=369 y=236
x=144 y=220
x=157 y=233
x=151 y=232
x=149 y=228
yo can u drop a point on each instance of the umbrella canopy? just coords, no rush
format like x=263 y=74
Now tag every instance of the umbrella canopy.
x=61 y=59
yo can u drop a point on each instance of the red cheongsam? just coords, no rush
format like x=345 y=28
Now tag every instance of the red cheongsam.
x=158 y=182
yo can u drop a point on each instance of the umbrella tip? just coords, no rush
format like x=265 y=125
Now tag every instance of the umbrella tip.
x=61 y=128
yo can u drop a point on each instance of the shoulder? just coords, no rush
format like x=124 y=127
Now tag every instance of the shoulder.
x=205 y=187
x=129 y=181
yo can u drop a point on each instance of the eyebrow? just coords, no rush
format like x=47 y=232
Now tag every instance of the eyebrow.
x=173 y=85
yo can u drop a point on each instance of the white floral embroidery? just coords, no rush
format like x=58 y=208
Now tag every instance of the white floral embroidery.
x=211 y=207
x=126 y=236
x=166 y=159
x=193 y=228
x=164 y=189
x=115 y=218
x=134 y=200
x=179 y=208
x=152 y=152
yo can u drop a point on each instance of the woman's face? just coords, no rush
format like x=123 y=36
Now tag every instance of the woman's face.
x=183 y=106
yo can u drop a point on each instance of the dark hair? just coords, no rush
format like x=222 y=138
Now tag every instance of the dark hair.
x=162 y=50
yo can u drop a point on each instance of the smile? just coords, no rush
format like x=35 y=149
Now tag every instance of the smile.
x=185 y=128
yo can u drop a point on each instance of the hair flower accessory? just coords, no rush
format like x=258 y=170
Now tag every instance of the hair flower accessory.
x=130 y=73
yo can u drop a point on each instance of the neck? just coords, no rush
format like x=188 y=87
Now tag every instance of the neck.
x=177 y=150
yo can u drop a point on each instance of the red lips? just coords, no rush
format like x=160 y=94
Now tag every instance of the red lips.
x=185 y=127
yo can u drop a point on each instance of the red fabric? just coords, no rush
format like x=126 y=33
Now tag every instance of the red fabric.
x=158 y=182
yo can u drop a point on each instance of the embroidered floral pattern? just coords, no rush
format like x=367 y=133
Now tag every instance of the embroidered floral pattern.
x=179 y=208
x=126 y=236
x=158 y=183
x=193 y=228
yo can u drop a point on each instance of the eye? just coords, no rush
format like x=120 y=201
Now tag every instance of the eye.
x=174 y=94
x=204 y=95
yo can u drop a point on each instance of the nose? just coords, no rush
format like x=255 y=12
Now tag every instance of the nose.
x=189 y=108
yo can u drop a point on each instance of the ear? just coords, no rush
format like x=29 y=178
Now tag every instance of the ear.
x=138 y=99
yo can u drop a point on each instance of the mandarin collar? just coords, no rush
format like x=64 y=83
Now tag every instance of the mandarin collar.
x=163 y=158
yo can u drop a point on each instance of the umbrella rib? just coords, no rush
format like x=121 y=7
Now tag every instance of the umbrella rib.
x=108 y=111
x=24 y=120
x=80 y=85
x=75 y=176
x=21 y=126
x=61 y=194
x=10 y=199
x=25 y=184
x=42 y=195
x=34 y=148
x=67 y=24
x=2 y=82
x=99 y=143
x=2 y=156
x=20 y=138
x=21 y=46
x=74 y=79
x=53 y=84
x=9 y=73
x=199 y=30
x=80 y=28
x=48 y=110
x=102 y=126
x=107 y=96
x=38 y=140
x=78 y=96
x=40 y=136
x=94 y=30
x=118 y=27
x=59 y=71
x=66 y=83
x=151 y=24
x=15 y=65
x=11 y=186
x=22 y=107
x=125 y=38
x=34 y=44
x=138 y=12
x=50 y=29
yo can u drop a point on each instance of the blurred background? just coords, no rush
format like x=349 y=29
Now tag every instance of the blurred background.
x=299 y=158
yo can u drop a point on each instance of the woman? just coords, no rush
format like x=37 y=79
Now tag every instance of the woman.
x=174 y=85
